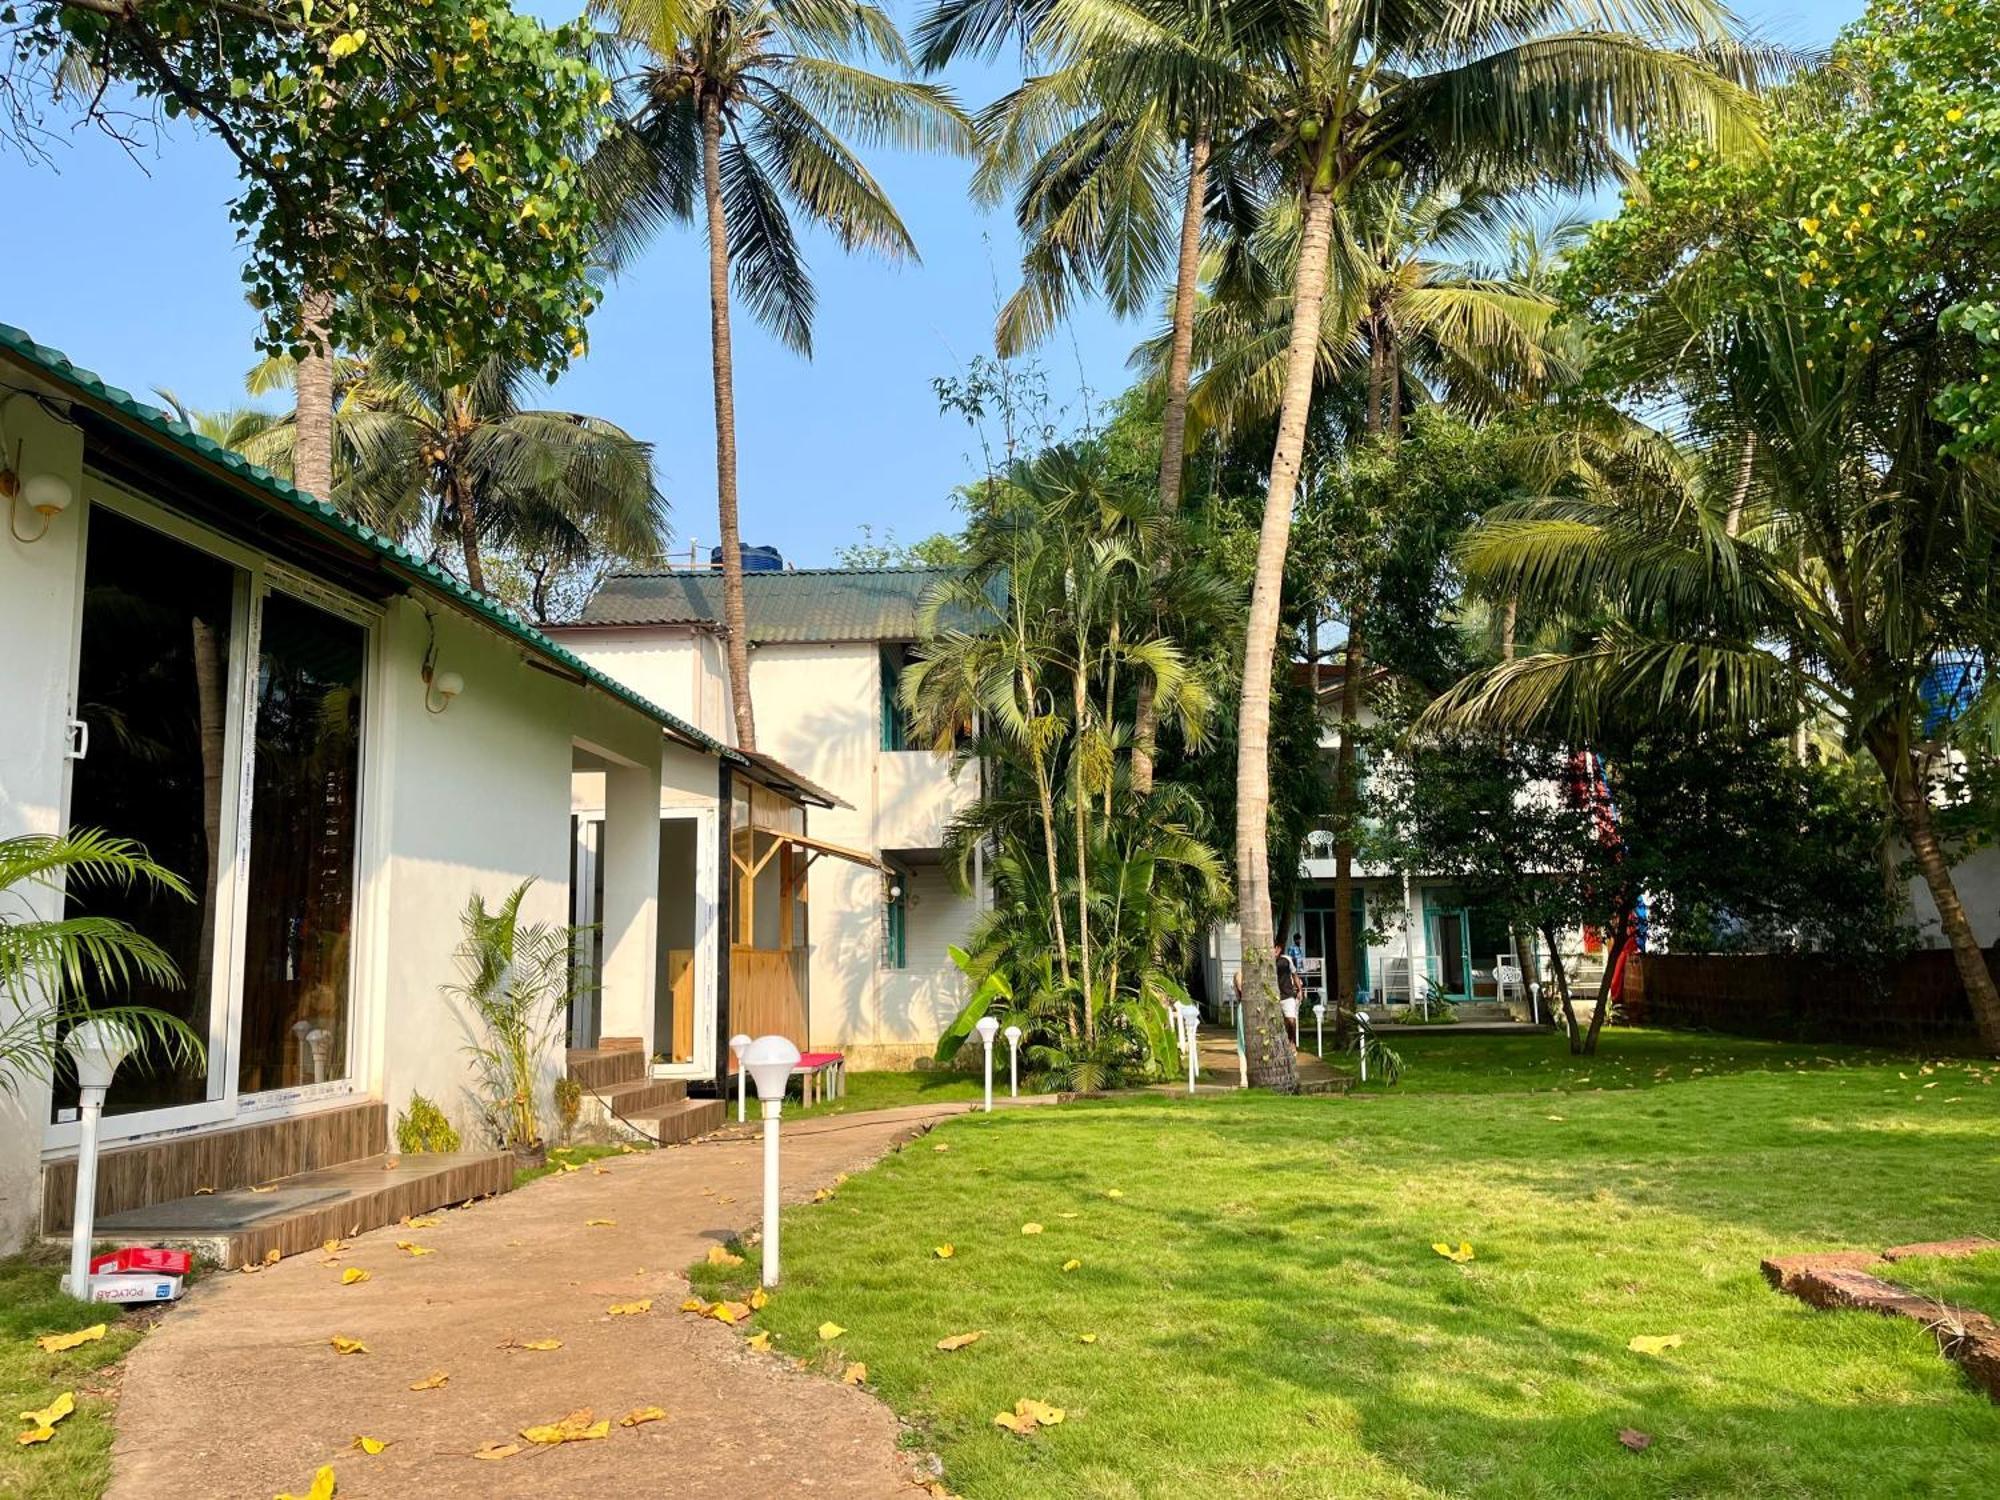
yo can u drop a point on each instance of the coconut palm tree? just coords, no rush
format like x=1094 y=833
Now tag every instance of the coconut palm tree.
x=51 y=968
x=1503 y=92
x=465 y=466
x=759 y=104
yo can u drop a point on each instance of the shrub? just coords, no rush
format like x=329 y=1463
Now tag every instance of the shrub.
x=423 y=1127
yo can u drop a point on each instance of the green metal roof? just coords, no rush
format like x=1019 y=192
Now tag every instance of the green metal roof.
x=282 y=497
x=804 y=604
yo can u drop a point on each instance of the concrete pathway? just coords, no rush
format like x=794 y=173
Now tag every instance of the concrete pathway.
x=238 y=1392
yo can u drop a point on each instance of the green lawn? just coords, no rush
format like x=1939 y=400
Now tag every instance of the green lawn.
x=891 y=1090
x=77 y=1460
x=1271 y=1319
x=1971 y=1281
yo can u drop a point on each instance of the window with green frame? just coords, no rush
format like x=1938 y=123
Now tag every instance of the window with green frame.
x=897 y=731
x=895 y=921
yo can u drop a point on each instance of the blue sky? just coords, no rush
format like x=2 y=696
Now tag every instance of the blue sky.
x=130 y=269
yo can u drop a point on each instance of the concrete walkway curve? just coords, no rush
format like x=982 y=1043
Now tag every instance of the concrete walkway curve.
x=239 y=1393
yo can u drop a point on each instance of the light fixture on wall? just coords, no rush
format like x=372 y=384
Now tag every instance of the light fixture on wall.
x=439 y=687
x=48 y=495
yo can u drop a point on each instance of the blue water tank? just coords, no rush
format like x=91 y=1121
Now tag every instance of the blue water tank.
x=1949 y=687
x=755 y=559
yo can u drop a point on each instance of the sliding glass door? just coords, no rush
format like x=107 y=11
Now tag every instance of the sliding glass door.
x=222 y=711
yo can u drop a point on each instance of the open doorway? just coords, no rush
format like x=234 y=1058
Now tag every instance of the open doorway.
x=674 y=989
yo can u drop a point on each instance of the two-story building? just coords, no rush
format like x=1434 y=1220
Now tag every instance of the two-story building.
x=865 y=911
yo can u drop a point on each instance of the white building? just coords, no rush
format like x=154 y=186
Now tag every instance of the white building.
x=825 y=650
x=336 y=745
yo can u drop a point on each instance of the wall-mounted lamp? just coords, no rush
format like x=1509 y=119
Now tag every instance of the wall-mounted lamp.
x=47 y=495
x=439 y=687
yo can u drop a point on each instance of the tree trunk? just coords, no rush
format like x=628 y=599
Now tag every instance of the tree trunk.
x=1173 y=425
x=1621 y=929
x=1046 y=800
x=1080 y=795
x=1913 y=811
x=1570 y=1028
x=1510 y=616
x=735 y=625
x=312 y=389
x=1272 y=1062
x=467 y=511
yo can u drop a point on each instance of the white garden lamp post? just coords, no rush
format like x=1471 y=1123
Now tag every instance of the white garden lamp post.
x=770 y=1060
x=1361 y=1040
x=1013 y=1035
x=1319 y=1027
x=98 y=1048
x=1190 y=1024
x=986 y=1028
x=1535 y=1002
x=738 y=1044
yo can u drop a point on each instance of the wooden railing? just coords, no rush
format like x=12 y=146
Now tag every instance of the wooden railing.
x=767 y=992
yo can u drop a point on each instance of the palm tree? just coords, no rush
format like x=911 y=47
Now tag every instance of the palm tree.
x=757 y=102
x=466 y=466
x=50 y=966
x=1114 y=153
x=1809 y=555
x=1505 y=92
x=1414 y=315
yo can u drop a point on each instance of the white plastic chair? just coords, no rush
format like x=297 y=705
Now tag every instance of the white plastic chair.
x=1508 y=981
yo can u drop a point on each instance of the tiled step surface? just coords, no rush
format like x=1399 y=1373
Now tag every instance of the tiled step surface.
x=239 y=1226
x=682 y=1120
x=599 y=1068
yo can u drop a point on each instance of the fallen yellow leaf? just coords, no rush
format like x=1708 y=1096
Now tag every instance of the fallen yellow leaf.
x=1114 y=1192
x=694 y=1305
x=942 y=1146
x=631 y=1309
x=822 y=1195
x=272 y=1256
x=425 y=1223
x=53 y=1413
x=944 y=1252
x=496 y=1450
x=34 y=1435
x=729 y=1312
x=331 y=1247
x=638 y=1416
x=539 y=1346
x=1654 y=1343
x=719 y=1255
x=369 y=1445
x=409 y=1247
x=1459 y=1256
x=344 y=1345
x=1014 y=1424
x=960 y=1340
x=1031 y=1229
x=854 y=1374
x=322 y=1488
x=1086 y=1338
x=432 y=1382
x=351 y=1275
x=577 y=1427
x=759 y=1299
x=829 y=1332
x=1040 y=1412
x=760 y=1340
x=1071 y=1265
x=56 y=1343
x=600 y=1223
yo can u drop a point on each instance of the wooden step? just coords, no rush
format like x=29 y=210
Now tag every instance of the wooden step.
x=682 y=1120
x=606 y=1067
x=625 y=1098
x=238 y=1227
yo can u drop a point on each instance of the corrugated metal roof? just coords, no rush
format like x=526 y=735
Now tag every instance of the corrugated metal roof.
x=280 y=496
x=804 y=604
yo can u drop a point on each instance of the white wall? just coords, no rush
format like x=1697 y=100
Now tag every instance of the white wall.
x=38 y=583
x=682 y=670
x=1978 y=880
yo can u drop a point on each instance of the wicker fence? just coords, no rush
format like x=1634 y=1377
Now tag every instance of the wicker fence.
x=1914 y=1001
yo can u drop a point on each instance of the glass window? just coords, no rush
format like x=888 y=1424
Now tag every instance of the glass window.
x=895 y=920
x=898 y=731
x=303 y=820
x=153 y=676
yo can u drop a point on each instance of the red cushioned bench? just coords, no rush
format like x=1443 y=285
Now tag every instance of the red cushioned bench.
x=826 y=1071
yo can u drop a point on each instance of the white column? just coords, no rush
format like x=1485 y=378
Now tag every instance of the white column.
x=771 y=1108
x=630 y=917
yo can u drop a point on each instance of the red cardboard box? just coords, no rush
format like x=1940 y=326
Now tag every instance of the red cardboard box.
x=136 y=1258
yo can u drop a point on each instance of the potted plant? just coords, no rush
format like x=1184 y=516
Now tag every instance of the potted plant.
x=517 y=980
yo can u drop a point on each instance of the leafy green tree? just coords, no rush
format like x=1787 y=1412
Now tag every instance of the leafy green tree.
x=755 y=103
x=938 y=550
x=462 y=464
x=411 y=170
x=1829 y=545
x=53 y=969
x=1508 y=95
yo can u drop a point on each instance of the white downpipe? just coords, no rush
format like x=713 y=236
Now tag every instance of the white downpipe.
x=83 y=1217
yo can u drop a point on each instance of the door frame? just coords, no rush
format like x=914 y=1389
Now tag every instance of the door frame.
x=1435 y=914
